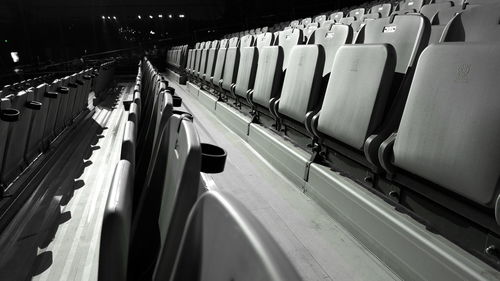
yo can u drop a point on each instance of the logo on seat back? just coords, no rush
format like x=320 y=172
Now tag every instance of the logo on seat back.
x=354 y=66
x=462 y=74
x=389 y=29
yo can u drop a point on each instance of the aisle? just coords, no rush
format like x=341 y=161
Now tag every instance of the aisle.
x=318 y=246
x=75 y=247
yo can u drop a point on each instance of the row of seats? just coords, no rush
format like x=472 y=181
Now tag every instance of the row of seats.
x=176 y=56
x=25 y=84
x=106 y=72
x=253 y=32
x=398 y=112
x=31 y=119
x=154 y=226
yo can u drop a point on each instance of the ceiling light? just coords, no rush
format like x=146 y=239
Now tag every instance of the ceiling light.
x=103 y=17
x=160 y=16
x=109 y=17
x=170 y=16
x=181 y=16
x=114 y=17
x=139 y=16
x=150 y=16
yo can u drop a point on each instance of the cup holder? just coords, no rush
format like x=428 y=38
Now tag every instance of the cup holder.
x=177 y=101
x=9 y=115
x=170 y=90
x=51 y=94
x=35 y=105
x=63 y=90
x=126 y=104
x=213 y=158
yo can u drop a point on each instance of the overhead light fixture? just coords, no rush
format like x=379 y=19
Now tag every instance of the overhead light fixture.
x=103 y=17
x=170 y=16
x=114 y=17
x=160 y=16
x=109 y=17
x=181 y=16
x=14 y=56
x=150 y=16
x=139 y=16
x=152 y=32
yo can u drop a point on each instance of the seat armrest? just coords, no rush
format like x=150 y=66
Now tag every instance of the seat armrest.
x=386 y=154
x=274 y=107
x=311 y=123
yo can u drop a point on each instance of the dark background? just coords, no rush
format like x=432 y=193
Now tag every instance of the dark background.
x=50 y=31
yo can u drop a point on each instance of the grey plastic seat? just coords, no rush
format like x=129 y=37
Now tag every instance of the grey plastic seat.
x=302 y=83
x=34 y=144
x=430 y=10
x=168 y=198
x=197 y=62
x=309 y=29
x=248 y=65
x=129 y=142
x=203 y=61
x=336 y=17
x=474 y=24
x=116 y=225
x=352 y=111
x=383 y=10
x=231 y=64
x=210 y=61
x=320 y=19
x=272 y=63
x=223 y=241
x=356 y=117
x=439 y=22
x=17 y=136
x=8 y=116
x=219 y=64
x=435 y=140
x=357 y=14
x=331 y=40
x=52 y=98
x=409 y=6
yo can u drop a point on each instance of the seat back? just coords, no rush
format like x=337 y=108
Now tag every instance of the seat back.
x=231 y=63
x=248 y=64
x=475 y=24
x=212 y=55
x=408 y=34
x=37 y=123
x=302 y=84
x=357 y=13
x=331 y=40
x=116 y=225
x=435 y=139
x=223 y=241
x=383 y=9
x=220 y=62
x=351 y=110
x=336 y=17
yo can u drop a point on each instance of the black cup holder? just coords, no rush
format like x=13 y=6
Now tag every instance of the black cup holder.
x=126 y=104
x=177 y=101
x=51 y=94
x=213 y=158
x=35 y=105
x=63 y=90
x=170 y=90
x=72 y=85
x=9 y=115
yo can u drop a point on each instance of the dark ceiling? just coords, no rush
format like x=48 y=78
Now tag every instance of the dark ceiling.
x=56 y=30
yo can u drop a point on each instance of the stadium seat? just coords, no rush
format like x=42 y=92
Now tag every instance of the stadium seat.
x=234 y=244
x=219 y=65
x=230 y=65
x=52 y=98
x=248 y=65
x=320 y=19
x=37 y=123
x=466 y=27
x=336 y=17
x=17 y=136
x=440 y=20
x=210 y=61
x=272 y=63
x=116 y=225
x=357 y=14
x=381 y=10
